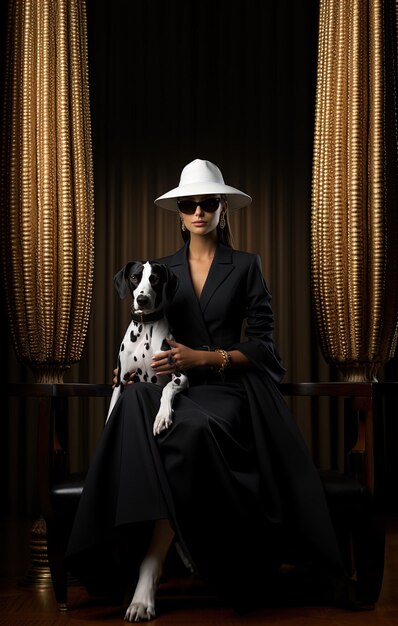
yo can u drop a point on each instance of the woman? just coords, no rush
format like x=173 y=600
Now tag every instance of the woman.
x=231 y=482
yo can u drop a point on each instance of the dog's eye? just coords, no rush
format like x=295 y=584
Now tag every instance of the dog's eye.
x=134 y=279
x=153 y=279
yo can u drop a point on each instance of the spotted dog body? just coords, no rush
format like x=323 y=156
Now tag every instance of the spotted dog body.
x=151 y=285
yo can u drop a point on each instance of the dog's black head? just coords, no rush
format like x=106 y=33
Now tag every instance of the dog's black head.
x=124 y=278
x=150 y=284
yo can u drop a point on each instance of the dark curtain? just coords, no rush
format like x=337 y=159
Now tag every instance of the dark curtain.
x=170 y=82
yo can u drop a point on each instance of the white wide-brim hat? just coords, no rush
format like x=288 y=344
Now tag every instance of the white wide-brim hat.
x=200 y=178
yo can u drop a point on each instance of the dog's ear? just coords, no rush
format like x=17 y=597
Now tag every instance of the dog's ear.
x=120 y=279
x=120 y=283
x=172 y=283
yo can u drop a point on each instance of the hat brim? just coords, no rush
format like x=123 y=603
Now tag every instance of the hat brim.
x=236 y=199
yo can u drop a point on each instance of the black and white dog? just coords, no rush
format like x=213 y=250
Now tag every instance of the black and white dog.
x=151 y=285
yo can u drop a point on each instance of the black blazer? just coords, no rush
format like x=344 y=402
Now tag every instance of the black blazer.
x=233 y=312
x=235 y=291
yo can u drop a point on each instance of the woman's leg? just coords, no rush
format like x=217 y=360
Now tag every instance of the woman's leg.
x=142 y=606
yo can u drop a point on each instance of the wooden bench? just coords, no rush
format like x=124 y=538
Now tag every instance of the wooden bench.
x=354 y=496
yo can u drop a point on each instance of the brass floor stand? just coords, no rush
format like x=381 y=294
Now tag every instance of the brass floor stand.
x=39 y=575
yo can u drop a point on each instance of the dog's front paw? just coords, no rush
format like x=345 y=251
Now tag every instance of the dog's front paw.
x=162 y=422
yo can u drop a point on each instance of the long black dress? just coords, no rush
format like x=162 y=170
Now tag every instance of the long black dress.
x=233 y=473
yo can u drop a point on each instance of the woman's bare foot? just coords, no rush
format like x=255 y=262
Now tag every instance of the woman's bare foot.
x=142 y=606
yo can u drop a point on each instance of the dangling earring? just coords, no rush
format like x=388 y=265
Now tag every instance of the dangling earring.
x=183 y=227
x=222 y=221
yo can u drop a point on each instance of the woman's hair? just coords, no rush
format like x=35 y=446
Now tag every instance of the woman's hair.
x=224 y=235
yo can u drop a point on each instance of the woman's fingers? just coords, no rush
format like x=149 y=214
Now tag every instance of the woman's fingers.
x=179 y=358
x=164 y=362
x=126 y=382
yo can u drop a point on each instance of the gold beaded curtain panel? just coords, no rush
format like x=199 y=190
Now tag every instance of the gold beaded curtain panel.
x=355 y=186
x=47 y=201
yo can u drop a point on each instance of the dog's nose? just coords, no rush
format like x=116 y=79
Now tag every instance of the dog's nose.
x=142 y=300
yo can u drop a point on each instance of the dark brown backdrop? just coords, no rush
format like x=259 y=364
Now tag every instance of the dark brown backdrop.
x=170 y=82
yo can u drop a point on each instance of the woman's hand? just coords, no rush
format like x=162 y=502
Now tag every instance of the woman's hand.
x=177 y=359
x=114 y=380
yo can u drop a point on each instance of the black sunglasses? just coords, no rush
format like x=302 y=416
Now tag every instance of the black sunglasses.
x=210 y=205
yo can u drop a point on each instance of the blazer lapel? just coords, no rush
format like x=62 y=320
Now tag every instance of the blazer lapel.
x=221 y=267
x=194 y=309
x=185 y=295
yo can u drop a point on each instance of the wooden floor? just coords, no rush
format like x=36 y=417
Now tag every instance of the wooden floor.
x=26 y=606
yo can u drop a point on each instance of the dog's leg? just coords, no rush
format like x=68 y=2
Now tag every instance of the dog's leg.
x=163 y=418
x=114 y=398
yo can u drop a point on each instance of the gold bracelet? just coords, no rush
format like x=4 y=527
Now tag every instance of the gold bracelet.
x=226 y=359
